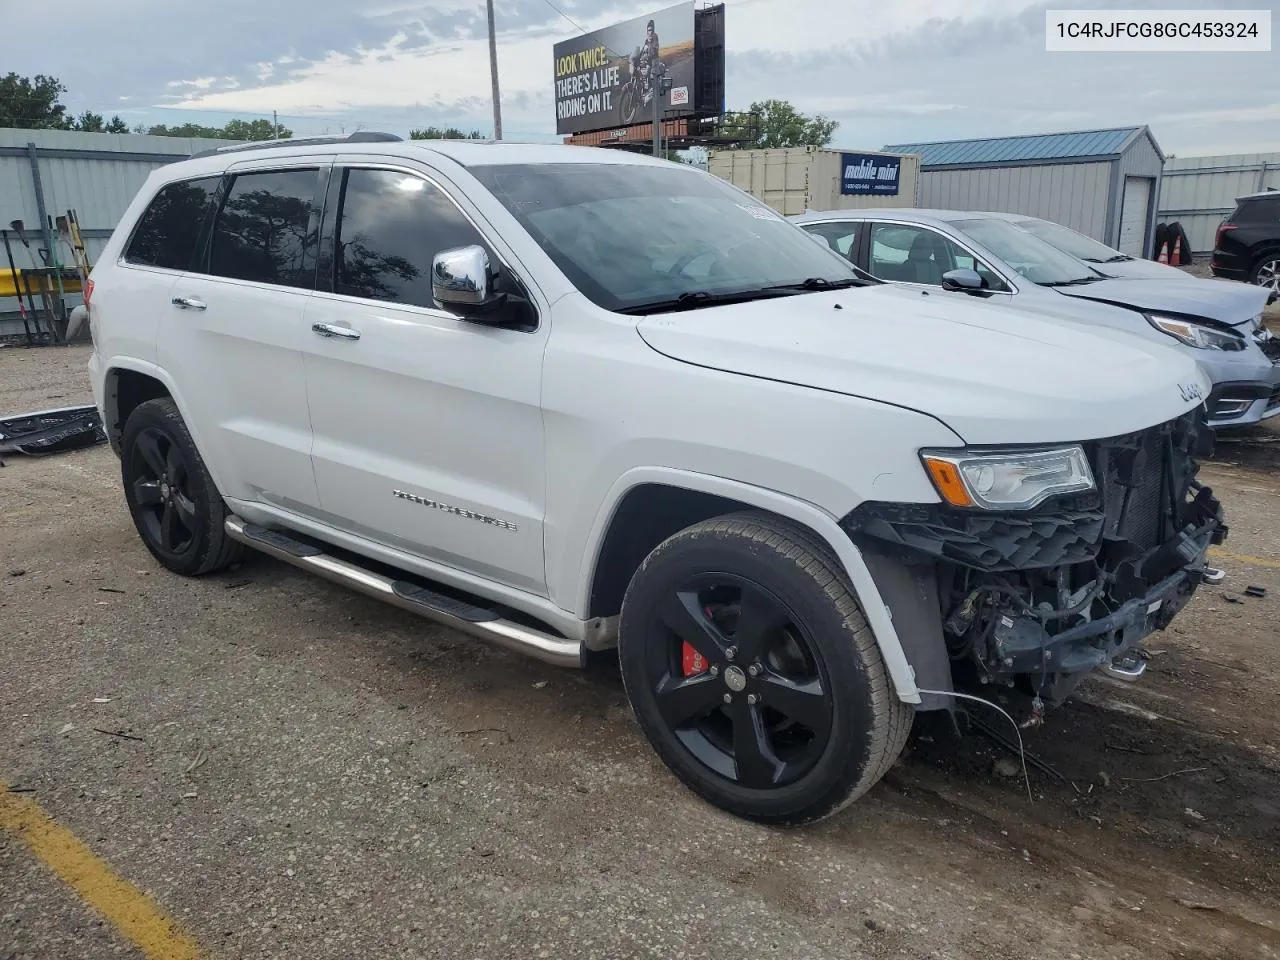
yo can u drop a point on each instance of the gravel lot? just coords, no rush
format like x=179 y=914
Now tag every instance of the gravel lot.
x=317 y=775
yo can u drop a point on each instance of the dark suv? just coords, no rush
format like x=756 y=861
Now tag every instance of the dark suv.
x=1247 y=246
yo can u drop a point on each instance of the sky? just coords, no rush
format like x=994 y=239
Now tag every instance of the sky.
x=889 y=71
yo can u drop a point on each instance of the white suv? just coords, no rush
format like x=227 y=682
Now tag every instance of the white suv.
x=566 y=399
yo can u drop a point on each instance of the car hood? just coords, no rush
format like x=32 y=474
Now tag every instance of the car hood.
x=994 y=375
x=1138 y=267
x=1225 y=301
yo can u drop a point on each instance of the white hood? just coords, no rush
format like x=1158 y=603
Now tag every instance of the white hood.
x=1225 y=301
x=992 y=374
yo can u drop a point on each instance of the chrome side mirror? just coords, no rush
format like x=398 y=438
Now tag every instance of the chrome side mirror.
x=964 y=279
x=463 y=278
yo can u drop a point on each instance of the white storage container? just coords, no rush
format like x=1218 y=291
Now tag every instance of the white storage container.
x=795 y=179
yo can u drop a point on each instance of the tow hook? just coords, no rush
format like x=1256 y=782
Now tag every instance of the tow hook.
x=1036 y=717
x=1127 y=667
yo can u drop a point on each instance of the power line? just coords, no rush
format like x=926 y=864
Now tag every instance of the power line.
x=582 y=29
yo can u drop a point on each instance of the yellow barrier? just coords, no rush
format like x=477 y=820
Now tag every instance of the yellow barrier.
x=10 y=284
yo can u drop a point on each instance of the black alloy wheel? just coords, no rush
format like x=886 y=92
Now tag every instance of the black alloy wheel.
x=179 y=513
x=162 y=492
x=753 y=673
x=739 y=682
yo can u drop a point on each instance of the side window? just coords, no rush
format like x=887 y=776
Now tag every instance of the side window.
x=390 y=227
x=263 y=231
x=913 y=254
x=167 y=232
x=1265 y=210
x=965 y=260
x=841 y=236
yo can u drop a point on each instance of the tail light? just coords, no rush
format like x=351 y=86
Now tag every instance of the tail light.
x=1222 y=228
x=88 y=291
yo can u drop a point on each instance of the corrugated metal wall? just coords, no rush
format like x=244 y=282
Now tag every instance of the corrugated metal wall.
x=1199 y=192
x=96 y=174
x=1074 y=194
x=1141 y=159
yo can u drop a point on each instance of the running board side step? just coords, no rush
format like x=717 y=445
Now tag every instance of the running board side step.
x=474 y=619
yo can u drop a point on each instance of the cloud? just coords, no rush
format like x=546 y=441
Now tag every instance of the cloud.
x=887 y=70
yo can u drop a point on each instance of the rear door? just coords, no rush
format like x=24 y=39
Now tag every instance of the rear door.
x=235 y=331
x=428 y=428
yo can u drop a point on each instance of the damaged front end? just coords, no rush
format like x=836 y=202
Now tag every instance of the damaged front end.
x=1044 y=595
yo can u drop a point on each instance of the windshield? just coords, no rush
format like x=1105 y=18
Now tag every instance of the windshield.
x=1027 y=255
x=629 y=236
x=1072 y=242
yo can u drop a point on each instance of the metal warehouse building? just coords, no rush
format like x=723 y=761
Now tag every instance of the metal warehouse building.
x=1103 y=183
x=43 y=173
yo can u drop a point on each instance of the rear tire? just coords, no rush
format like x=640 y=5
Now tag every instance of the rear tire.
x=811 y=721
x=175 y=506
x=1265 y=271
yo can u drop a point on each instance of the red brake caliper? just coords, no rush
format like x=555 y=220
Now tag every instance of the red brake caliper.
x=692 y=662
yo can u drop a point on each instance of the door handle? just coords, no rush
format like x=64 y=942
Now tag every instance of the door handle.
x=333 y=330
x=190 y=302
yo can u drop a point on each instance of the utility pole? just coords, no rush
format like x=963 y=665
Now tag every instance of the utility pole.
x=275 y=126
x=493 y=74
x=659 y=90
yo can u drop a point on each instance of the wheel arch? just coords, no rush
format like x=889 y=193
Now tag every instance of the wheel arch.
x=128 y=382
x=1265 y=250
x=628 y=524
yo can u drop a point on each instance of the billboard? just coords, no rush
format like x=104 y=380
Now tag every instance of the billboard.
x=863 y=173
x=605 y=78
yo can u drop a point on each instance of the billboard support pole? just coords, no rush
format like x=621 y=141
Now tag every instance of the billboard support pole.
x=662 y=88
x=493 y=74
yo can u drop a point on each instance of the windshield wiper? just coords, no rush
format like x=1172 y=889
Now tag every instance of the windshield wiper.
x=1117 y=258
x=697 y=299
x=1079 y=281
x=819 y=283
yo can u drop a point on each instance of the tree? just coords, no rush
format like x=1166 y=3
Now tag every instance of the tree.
x=233 y=130
x=782 y=125
x=90 y=122
x=448 y=133
x=32 y=102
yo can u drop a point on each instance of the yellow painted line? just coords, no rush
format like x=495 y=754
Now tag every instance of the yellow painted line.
x=130 y=910
x=1220 y=554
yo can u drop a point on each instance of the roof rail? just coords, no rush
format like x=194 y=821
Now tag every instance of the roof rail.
x=360 y=136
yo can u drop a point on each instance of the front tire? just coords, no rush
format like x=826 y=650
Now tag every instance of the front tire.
x=753 y=673
x=175 y=506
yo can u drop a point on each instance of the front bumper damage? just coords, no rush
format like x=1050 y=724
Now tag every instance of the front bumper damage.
x=1044 y=596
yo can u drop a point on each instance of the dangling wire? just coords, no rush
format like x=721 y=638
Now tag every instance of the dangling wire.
x=1022 y=752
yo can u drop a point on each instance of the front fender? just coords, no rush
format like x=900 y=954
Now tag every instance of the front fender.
x=816 y=520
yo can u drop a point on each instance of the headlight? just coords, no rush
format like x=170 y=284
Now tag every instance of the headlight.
x=1196 y=335
x=1007 y=481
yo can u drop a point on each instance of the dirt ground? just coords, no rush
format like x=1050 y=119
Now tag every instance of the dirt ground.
x=317 y=775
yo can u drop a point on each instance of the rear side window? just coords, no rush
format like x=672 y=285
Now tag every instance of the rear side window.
x=390 y=227
x=167 y=233
x=264 y=231
x=1264 y=210
x=841 y=236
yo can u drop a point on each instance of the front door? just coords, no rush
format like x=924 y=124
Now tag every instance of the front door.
x=428 y=428
x=234 y=332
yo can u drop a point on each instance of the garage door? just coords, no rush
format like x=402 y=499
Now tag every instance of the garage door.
x=1133 y=215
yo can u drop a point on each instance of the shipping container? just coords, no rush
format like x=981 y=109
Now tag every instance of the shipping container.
x=795 y=179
